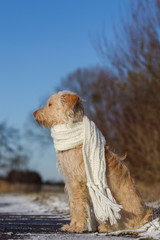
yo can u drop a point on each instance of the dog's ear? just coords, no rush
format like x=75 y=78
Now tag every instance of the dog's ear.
x=70 y=100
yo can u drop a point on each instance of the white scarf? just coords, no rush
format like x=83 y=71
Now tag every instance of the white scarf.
x=66 y=137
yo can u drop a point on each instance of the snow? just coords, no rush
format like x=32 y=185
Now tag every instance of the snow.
x=56 y=206
x=29 y=204
x=149 y=230
x=20 y=205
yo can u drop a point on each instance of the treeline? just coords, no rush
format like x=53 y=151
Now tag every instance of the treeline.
x=123 y=96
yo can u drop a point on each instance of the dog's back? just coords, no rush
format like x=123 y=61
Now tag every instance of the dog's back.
x=134 y=213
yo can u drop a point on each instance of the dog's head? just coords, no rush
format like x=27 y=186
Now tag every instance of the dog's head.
x=63 y=107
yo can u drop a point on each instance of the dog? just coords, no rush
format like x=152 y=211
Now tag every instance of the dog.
x=66 y=107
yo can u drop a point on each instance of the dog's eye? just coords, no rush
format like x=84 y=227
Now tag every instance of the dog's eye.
x=50 y=104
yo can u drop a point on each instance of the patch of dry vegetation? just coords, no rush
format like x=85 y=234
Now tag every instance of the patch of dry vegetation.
x=6 y=187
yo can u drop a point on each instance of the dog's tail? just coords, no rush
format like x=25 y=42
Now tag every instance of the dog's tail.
x=121 y=158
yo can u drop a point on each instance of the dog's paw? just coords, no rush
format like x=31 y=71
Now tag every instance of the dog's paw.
x=73 y=228
x=77 y=229
x=65 y=227
x=104 y=229
x=68 y=228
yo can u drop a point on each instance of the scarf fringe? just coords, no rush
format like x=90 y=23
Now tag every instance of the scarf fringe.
x=105 y=208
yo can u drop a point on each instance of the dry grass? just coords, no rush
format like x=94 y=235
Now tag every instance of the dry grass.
x=6 y=187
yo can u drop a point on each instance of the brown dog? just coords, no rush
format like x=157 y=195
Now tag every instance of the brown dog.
x=66 y=107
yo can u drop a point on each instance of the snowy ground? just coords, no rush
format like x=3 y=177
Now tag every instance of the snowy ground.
x=30 y=217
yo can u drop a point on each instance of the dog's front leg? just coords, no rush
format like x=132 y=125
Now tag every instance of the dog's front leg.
x=82 y=218
x=72 y=224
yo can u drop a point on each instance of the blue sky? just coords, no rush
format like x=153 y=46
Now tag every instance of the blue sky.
x=40 y=43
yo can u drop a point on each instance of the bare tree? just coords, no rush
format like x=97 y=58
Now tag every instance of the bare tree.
x=125 y=101
x=13 y=154
x=136 y=62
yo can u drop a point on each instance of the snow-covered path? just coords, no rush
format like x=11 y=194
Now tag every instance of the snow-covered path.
x=23 y=217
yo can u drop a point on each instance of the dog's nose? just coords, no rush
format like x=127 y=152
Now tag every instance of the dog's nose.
x=35 y=113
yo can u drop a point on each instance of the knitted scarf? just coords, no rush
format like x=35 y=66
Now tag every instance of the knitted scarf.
x=66 y=137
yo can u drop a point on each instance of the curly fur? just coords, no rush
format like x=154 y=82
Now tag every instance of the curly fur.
x=64 y=107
